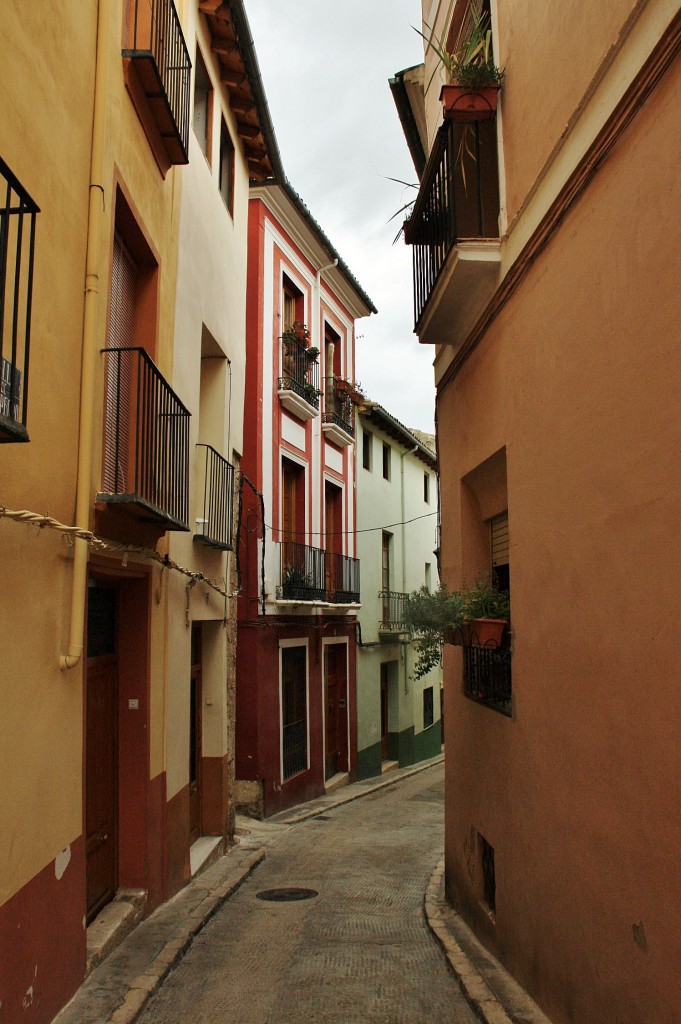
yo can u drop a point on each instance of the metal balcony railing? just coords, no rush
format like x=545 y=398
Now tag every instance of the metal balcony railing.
x=17 y=247
x=312 y=574
x=300 y=372
x=155 y=44
x=303 y=572
x=458 y=198
x=338 y=405
x=393 y=610
x=146 y=441
x=487 y=676
x=214 y=522
x=342 y=584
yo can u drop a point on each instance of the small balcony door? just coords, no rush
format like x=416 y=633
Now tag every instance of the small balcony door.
x=333 y=520
x=118 y=383
x=386 y=538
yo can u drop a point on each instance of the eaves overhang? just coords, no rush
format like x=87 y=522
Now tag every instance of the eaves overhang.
x=382 y=420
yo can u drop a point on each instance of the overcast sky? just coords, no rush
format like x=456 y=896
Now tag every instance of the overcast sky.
x=326 y=65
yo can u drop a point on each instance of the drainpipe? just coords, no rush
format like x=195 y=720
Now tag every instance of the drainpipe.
x=316 y=307
x=404 y=545
x=89 y=343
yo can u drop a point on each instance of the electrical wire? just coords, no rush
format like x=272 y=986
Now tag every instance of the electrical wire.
x=347 y=533
x=71 y=533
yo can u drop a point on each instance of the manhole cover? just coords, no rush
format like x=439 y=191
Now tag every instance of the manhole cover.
x=286 y=895
x=242 y=831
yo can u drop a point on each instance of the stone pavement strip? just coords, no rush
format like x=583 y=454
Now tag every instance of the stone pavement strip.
x=118 y=990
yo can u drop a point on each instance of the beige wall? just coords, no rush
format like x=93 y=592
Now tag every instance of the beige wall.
x=578 y=379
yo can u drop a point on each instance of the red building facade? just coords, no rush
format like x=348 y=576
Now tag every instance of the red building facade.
x=296 y=724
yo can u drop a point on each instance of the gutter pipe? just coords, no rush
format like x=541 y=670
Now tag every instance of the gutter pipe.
x=74 y=652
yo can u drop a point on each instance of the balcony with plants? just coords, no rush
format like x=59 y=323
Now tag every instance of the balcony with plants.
x=215 y=512
x=338 y=419
x=313 y=575
x=454 y=222
x=145 y=465
x=158 y=76
x=17 y=244
x=298 y=386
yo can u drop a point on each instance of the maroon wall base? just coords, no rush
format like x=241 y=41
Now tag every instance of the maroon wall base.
x=178 y=867
x=42 y=943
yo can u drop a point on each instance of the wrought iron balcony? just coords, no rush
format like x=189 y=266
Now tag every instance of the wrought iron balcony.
x=487 y=676
x=312 y=574
x=146 y=441
x=214 y=523
x=338 y=419
x=159 y=59
x=393 y=611
x=457 y=209
x=342 y=579
x=299 y=382
x=303 y=572
x=17 y=245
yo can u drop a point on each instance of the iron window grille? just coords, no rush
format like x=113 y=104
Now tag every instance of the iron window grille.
x=428 y=708
x=294 y=710
x=17 y=249
x=487 y=676
x=146 y=445
x=214 y=525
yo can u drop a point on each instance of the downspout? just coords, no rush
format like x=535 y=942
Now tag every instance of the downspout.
x=316 y=309
x=89 y=343
x=404 y=546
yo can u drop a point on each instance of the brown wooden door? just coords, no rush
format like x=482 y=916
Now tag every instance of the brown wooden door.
x=195 y=739
x=335 y=691
x=101 y=751
x=384 y=712
x=118 y=379
x=385 y=575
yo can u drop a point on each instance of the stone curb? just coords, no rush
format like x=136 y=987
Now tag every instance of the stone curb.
x=383 y=784
x=475 y=989
x=141 y=989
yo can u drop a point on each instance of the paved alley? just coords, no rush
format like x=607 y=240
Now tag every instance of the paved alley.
x=359 y=951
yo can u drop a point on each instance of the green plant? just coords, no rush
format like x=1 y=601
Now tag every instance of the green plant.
x=297 y=332
x=483 y=601
x=295 y=576
x=472 y=64
x=428 y=615
x=310 y=392
x=311 y=352
x=432 y=615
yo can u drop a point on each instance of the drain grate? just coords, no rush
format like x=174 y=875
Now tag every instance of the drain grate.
x=242 y=831
x=286 y=895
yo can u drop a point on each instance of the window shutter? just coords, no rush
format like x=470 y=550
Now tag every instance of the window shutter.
x=499 y=533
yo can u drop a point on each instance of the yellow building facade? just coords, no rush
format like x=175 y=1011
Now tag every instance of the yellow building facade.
x=121 y=412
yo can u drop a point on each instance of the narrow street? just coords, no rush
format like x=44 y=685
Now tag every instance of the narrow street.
x=359 y=951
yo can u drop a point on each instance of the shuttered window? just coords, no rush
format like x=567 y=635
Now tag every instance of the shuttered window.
x=499 y=536
x=118 y=385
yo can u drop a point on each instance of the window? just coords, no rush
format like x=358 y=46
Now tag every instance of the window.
x=293 y=710
x=292 y=304
x=427 y=707
x=203 y=107
x=386 y=461
x=427 y=576
x=489 y=886
x=367 y=445
x=426 y=488
x=17 y=237
x=226 y=167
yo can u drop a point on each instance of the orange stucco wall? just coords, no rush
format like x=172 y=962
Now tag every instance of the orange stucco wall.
x=578 y=379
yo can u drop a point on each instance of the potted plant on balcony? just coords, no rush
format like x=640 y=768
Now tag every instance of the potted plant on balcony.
x=297 y=333
x=311 y=353
x=475 y=80
x=486 y=613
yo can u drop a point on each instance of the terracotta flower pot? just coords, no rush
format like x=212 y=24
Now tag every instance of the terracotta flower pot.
x=483 y=632
x=461 y=103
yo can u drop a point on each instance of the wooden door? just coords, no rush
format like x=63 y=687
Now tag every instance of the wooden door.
x=384 y=711
x=116 y=470
x=333 y=519
x=335 y=692
x=195 y=738
x=385 y=576
x=101 y=750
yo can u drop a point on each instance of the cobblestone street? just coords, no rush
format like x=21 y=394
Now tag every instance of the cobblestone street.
x=359 y=951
